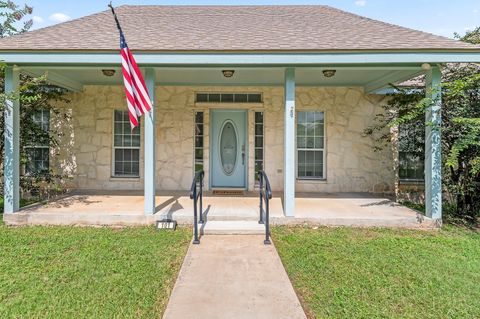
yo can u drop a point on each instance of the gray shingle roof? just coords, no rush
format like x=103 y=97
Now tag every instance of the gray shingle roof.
x=230 y=28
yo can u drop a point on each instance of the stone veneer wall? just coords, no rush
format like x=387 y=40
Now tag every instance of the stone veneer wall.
x=352 y=165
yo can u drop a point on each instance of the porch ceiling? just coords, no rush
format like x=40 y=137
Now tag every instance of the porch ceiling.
x=370 y=78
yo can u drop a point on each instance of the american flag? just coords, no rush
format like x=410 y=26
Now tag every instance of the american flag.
x=138 y=99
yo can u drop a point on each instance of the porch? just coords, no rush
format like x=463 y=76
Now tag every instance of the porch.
x=125 y=208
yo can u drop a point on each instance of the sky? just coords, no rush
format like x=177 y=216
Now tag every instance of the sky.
x=442 y=17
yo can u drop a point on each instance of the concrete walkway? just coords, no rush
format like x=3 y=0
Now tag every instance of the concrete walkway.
x=233 y=276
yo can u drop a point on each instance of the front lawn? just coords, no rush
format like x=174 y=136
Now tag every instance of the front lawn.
x=381 y=273
x=72 y=272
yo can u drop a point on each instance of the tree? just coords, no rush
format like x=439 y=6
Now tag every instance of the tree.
x=35 y=94
x=12 y=16
x=460 y=130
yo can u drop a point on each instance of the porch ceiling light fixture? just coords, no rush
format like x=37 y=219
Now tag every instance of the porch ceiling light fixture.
x=329 y=73
x=108 y=72
x=426 y=66
x=228 y=73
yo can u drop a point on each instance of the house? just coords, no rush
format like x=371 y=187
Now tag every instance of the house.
x=236 y=89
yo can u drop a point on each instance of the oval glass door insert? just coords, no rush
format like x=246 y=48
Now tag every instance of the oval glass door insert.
x=228 y=147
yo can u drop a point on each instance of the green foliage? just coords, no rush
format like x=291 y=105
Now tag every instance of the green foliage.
x=460 y=130
x=470 y=139
x=383 y=273
x=470 y=37
x=11 y=18
x=35 y=94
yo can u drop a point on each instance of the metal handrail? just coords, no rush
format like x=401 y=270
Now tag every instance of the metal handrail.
x=265 y=193
x=196 y=192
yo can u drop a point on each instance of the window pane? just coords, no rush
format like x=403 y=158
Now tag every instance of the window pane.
x=199 y=141
x=411 y=151
x=126 y=160
x=301 y=142
x=241 y=98
x=37 y=160
x=259 y=154
x=213 y=97
x=301 y=157
x=199 y=117
x=227 y=98
x=301 y=129
x=310 y=135
x=198 y=129
x=255 y=98
x=136 y=168
x=318 y=142
x=319 y=129
x=310 y=142
x=258 y=141
x=198 y=166
x=319 y=117
x=310 y=129
x=258 y=166
x=258 y=117
x=258 y=129
x=135 y=141
x=309 y=117
x=202 y=97
x=199 y=154
x=198 y=147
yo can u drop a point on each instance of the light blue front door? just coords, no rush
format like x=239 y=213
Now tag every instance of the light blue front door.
x=228 y=148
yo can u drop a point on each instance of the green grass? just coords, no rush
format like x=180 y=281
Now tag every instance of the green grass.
x=381 y=273
x=72 y=272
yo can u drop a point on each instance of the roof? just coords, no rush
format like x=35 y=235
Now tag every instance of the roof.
x=230 y=28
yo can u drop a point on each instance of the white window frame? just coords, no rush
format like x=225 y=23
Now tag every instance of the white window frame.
x=324 y=149
x=114 y=148
x=47 y=147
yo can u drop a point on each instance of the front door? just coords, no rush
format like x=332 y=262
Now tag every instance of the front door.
x=228 y=148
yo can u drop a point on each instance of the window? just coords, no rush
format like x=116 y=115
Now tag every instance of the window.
x=229 y=97
x=126 y=146
x=38 y=161
x=310 y=145
x=199 y=141
x=411 y=148
x=259 y=142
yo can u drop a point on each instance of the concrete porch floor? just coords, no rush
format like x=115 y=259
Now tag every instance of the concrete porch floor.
x=125 y=208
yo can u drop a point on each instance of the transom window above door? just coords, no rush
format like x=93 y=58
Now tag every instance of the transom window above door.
x=310 y=145
x=228 y=98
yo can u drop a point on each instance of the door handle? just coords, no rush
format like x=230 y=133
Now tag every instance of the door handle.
x=243 y=154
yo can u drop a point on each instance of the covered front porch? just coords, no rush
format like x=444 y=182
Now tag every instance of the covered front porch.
x=368 y=73
x=121 y=208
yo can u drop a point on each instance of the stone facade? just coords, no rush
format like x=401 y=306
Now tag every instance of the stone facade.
x=351 y=164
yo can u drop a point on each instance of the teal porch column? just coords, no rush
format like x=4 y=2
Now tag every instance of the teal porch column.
x=149 y=140
x=289 y=142
x=11 y=164
x=433 y=147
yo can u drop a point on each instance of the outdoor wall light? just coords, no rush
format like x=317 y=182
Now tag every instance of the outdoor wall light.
x=426 y=66
x=329 y=73
x=108 y=72
x=228 y=73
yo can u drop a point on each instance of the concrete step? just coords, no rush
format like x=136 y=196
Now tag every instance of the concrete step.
x=228 y=227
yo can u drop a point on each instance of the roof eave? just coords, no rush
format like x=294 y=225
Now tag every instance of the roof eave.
x=242 y=58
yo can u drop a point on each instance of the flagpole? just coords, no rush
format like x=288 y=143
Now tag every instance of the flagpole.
x=116 y=18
